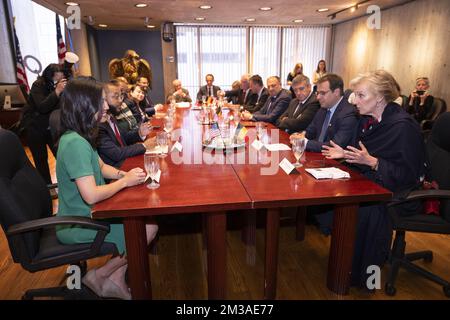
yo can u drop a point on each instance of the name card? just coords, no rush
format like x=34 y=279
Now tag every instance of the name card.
x=177 y=147
x=287 y=166
x=277 y=147
x=257 y=144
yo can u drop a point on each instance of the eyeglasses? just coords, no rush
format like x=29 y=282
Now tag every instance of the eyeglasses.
x=322 y=93
x=118 y=96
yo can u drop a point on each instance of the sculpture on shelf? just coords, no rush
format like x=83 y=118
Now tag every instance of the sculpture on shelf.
x=131 y=67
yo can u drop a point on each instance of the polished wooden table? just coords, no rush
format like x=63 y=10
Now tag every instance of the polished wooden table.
x=213 y=183
x=276 y=190
x=184 y=188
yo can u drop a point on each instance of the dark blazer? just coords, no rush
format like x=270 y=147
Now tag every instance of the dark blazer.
x=136 y=110
x=303 y=117
x=253 y=103
x=238 y=96
x=109 y=148
x=279 y=105
x=42 y=101
x=204 y=92
x=341 y=128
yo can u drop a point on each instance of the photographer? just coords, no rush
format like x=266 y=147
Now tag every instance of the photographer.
x=44 y=98
x=420 y=104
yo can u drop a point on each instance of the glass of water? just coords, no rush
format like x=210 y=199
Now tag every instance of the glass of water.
x=259 y=130
x=162 y=140
x=151 y=164
x=298 y=147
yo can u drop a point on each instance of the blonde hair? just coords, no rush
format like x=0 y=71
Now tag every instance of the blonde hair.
x=380 y=83
x=296 y=67
x=427 y=81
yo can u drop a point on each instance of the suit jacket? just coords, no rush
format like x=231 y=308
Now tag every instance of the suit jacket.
x=341 y=128
x=302 y=118
x=274 y=107
x=178 y=98
x=109 y=148
x=204 y=92
x=42 y=101
x=238 y=96
x=253 y=103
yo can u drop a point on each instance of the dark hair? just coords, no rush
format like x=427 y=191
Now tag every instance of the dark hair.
x=209 y=75
x=324 y=70
x=257 y=80
x=334 y=80
x=47 y=75
x=81 y=102
x=140 y=77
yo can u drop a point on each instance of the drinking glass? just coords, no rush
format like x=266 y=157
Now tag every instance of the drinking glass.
x=168 y=124
x=151 y=164
x=298 y=147
x=162 y=139
x=259 y=130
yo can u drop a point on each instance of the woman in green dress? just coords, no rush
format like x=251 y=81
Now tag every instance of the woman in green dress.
x=80 y=173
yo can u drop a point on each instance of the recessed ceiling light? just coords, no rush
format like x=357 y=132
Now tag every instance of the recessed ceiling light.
x=205 y=7
x=250 y=19
x=297 y=20
x=199 y=18
x=322 y=10
x=103 y=25
x=265 y=8
x=141 y=5
x=150 y=26
x=70 y=4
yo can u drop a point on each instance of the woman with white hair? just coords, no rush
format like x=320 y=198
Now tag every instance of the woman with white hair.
x=388 y=149
x=420 y=102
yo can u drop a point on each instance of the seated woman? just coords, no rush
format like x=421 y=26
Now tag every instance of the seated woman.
x=134 y=100
x=420 y=103
x=298 y=70
x=81 y=184
x=388 y=149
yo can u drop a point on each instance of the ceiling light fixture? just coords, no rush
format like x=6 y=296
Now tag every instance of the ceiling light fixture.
x=250 y=19
x=141 y=5
x=297 y=20
x=351 y=9
x=101 y=25
x=322 y=10
x=70 y=4
x=265 y=8
x=205 y=7
x=200 y=18
x=150 y=26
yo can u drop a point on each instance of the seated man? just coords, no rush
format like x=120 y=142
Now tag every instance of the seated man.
x=240 y=95
x=114 y=144
x=302 y=109
x=209 y=90
x=179 y=93
x=335 y=120
x=420 y=104
x=257 y=96
x=275 y=106
x=146 y=104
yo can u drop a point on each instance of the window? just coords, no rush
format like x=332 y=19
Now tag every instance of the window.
x=230 y=51
x=36 y=30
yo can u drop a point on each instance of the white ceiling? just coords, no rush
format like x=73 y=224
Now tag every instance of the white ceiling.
x=122 y=14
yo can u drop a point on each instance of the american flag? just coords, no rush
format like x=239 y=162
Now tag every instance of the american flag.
x=20 y=68
x=60 y=42
x=214 y=132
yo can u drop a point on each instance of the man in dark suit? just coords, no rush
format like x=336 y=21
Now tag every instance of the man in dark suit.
x=275 y=106
x=258 y=94
x=115 y=145
x=336 y=119
x=147 y=104
x=242 y=95
x=209 y=90
x=302 y=109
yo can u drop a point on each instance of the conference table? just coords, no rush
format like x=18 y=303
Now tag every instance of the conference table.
x=215 y=182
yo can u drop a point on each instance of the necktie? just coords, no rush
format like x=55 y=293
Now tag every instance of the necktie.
x=325 y=126
x=295 y=115
x=117 y=133
x=272 y=99
x=210 y=92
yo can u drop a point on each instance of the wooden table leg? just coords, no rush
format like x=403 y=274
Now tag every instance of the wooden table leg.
x=137 y=256
x=301 y=221
x=271 y=259
x=248 y=233
x=341 y=250
x=216 y=225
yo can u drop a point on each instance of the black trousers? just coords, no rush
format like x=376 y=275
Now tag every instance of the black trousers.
x=38 y=140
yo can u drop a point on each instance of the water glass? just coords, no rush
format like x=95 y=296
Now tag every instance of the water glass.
x=151 y=164
x=162 y=140
x=298 y=147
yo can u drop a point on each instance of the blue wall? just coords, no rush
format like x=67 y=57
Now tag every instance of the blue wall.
x=113 y=44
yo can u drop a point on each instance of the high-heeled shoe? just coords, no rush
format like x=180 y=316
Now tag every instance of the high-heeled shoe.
x=112 y=290
x=92 y=281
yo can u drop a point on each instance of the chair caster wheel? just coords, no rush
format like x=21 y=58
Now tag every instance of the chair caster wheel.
x=390 y=289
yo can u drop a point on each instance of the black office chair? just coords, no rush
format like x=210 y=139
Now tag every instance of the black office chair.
x=439 y=107
x=438 y=151
x=26 y=218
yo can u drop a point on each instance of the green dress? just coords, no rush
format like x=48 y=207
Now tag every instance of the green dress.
x=75 y=159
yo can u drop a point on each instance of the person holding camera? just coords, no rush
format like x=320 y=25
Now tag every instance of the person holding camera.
x=420 y=104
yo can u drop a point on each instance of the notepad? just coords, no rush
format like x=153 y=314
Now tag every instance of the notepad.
x=328 y=173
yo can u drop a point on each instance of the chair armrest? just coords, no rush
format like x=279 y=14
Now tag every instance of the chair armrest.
x=55 y=221
x=423 y=194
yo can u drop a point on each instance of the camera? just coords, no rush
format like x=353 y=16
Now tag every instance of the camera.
x=420 y=92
